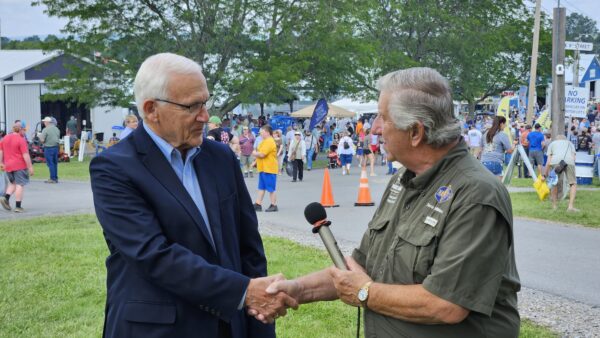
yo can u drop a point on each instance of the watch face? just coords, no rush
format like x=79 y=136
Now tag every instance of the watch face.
x=362 y=295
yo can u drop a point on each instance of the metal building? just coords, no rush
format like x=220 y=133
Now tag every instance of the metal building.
x=23 y=75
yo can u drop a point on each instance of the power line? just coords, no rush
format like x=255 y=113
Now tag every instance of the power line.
x=574 y=8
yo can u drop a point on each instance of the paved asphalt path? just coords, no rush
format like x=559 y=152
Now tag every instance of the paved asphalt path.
x=557 y=259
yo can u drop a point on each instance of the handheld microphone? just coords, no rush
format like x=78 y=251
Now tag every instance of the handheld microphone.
x=315 y=214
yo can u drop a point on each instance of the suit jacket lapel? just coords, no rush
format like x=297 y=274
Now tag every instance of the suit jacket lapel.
x=161 y=169
x=208 y=178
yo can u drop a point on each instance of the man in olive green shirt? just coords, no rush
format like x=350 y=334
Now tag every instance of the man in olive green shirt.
x=437 y=259
x=50 y=138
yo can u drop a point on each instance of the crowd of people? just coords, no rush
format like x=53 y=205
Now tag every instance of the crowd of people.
x=488 y=142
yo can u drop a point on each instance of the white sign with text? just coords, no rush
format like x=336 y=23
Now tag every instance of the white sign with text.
x=576 y=100
x=578 y=45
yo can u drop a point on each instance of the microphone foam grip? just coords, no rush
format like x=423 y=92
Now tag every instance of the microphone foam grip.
x=315 y=212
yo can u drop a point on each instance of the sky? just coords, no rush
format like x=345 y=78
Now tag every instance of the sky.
x=18 y=19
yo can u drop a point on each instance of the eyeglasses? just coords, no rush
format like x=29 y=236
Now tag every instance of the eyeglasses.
x=194 y=108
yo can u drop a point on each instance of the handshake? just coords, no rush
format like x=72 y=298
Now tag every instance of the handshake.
x=268 y=298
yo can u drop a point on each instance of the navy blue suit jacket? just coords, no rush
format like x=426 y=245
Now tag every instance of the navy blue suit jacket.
x=164 y=278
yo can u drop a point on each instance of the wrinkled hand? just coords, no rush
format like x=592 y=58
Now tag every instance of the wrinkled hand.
x=264 y=306
x=288 y=287
x=347 y=283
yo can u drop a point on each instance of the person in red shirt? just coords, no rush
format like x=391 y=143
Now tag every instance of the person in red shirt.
x=15 y=160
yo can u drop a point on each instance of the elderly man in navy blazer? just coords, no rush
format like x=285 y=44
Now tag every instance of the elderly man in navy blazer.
x=186 y=258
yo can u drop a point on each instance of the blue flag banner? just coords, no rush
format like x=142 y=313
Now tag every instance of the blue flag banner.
x=321 y=110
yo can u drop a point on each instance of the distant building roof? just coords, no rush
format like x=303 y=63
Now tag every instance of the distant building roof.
x=585 y=60
x=15 y=61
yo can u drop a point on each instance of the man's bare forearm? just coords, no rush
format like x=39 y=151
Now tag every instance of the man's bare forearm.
x=316 y=286
x=414 y=304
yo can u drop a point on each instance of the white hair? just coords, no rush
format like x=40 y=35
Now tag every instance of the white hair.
x=422 y=95
x=152 y=79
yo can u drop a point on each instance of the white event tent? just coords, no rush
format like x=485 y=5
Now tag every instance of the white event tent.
x=356 y=106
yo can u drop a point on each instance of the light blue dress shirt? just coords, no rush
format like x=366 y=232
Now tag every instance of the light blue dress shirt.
x=185 y=172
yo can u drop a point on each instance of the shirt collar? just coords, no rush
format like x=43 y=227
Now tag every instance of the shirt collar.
x=410 y=181
x=164 y=146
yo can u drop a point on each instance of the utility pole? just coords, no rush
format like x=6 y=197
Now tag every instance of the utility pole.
x=558 y=72
x=534 y=57
x=575 y=82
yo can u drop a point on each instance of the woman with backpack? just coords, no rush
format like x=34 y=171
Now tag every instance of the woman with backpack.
x=346 y=152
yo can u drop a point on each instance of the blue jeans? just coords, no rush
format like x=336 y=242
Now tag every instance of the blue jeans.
x=309 y=155
x=326 y=143
x=494 y=167
x=51 y=155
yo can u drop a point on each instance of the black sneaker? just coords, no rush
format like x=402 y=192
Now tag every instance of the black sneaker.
x=4 y=203
x=272 y=208
x=257 y=207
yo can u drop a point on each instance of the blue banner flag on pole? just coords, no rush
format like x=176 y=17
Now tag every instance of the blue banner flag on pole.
x=321 y=110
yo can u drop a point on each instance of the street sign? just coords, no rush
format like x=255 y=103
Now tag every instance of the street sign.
x=578 y=45
x=576 y=100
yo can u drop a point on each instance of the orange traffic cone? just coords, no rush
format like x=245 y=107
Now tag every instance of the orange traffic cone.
x=364 y=195
x=327 y=194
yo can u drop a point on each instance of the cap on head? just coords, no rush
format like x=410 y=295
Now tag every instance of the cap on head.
x=298 y=133
x=214 y=120
x=537 y=126
x=47 y=119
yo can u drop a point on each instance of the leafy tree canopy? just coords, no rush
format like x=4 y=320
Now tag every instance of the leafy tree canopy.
x=270 y=51
x=582 y=28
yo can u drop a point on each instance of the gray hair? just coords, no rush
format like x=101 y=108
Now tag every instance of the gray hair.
x=152 y=79
x=422 y=95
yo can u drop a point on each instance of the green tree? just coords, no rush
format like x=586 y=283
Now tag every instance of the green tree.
x=30 y=42
x=4 y=41
x=483 y=47
x=583 y=28
x=251 y=51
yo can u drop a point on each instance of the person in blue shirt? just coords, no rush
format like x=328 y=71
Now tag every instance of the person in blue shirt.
x=536 y=143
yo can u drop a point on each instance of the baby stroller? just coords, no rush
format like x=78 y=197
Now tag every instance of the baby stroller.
x=333 y=157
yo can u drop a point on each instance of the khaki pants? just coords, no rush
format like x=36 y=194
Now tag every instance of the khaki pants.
x=246 y=162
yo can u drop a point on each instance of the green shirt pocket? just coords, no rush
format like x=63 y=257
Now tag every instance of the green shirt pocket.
x=414 y=253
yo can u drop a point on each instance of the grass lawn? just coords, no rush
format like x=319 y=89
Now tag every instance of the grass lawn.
x=527 y=204
x=528 y=182
x=74 y=170
x=52 y=282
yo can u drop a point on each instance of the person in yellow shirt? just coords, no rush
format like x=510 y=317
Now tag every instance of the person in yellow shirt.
x=266 y=163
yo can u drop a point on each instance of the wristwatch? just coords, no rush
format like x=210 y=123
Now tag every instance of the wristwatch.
x=363 y=294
